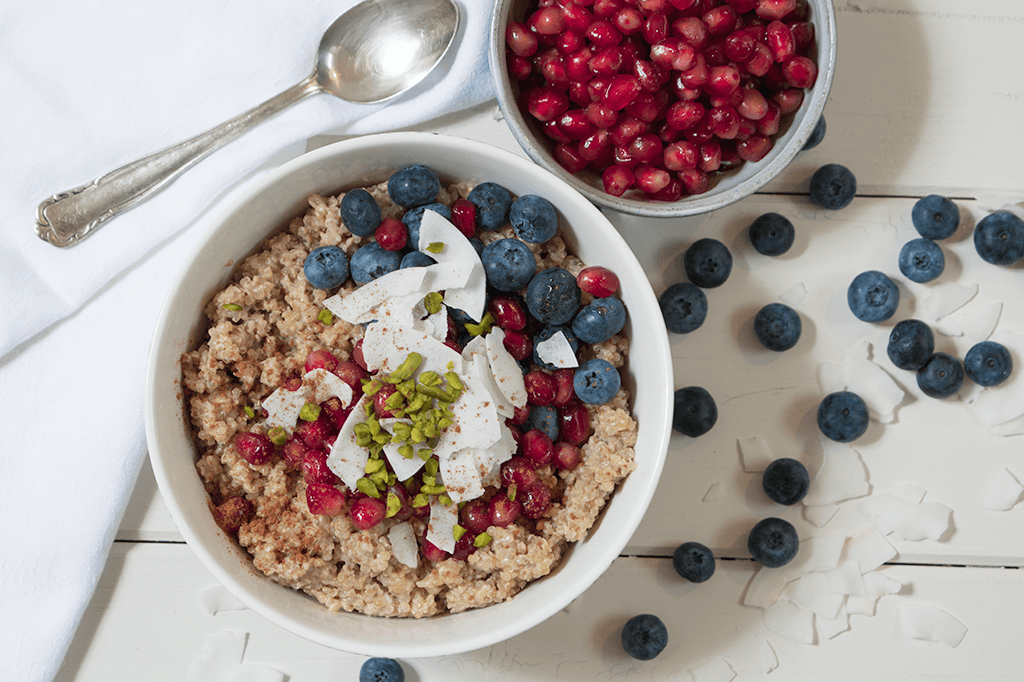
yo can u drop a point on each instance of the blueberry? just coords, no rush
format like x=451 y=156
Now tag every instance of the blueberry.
x=999 y=238
x=773 y=542
x=478 y=245
x=416 y=259
x=872 y=296
x=785 y=481
x=684 y=307
x=596 y=381
x=553 y=296
x=707 y=263
x=533 y=218
x=693 y=411
x=843 y=416
x=644 y=636
x=772 y=234
x=381 y=670
x=941 y=376
x=326 y=267
x=988 y=363
x=360 y=212
x=833 y=186
x=370 y=261
x=492 y=203
x=693 y=561
x=777 y=326
x=509 y=264
x=600 y=320
x=547 y=333
x=413 y=217
x=921 y=260
x=911 y=343
x=414 y=186
x=817 y=135
x=935 y=217
x=543 y=418
x=460 y=318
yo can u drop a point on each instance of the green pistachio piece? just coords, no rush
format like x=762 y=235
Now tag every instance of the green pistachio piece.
x=482 y=540
x=435 y=247
x=445 y=500
x=421 y=500
x=326 y=316
x=431 y=466
x=249 y=412
x=277 y=435
x=432 y=302
x=405 y=451
x=457 y=532
x=373 y=465
x=407 y=368
x=367 y=487
x=233 y=307
x=393 y=505
x=310 y=412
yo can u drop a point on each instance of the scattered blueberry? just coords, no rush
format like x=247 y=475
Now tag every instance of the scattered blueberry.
x=921 y=260
x=600 y=320
x=596 y=381
x=413 y=217
x=843 y=416
x=872 y=296
x=360 y=212
x=460 y=318
x=785 y=481
x=414 y=186
x=707 y=263
x=988 y=363
x=478 y=245
x=416 y=259
x=817 y=135
x=684 y=307
x=693 y=561
x=833 y=187
x=935 y=217
x=693 y=411
x=553 y=296
x=533 y=218
x=777 y=326
x=773 y=542
x=509 y=264
x=545 y=334
x=772 y=234
x=492 y=203
x=326 y=267
x=999 y=238
x=644 y=636
x=911 y=343
x=941 y=376
x=370 y=261
x=381 y=670
x=543 y=418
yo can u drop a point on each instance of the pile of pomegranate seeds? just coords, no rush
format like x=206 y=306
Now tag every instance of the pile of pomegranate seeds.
x=660 y=95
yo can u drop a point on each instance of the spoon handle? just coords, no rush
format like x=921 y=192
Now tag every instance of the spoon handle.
x=65 y=218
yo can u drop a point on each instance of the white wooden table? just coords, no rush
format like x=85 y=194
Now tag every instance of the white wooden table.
x=928 y=97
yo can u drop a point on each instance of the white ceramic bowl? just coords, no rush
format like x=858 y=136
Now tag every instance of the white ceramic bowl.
x=270 y=203
x=725 y=189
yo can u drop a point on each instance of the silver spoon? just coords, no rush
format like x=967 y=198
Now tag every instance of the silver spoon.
x=374 y=51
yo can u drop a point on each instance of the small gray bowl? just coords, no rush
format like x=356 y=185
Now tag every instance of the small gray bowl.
x=726 y=188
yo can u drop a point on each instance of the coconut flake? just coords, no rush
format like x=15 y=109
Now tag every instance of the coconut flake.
x=876 y=586
x=828 y=628
x=489 y=460
x=843 y=476
x=436 y=325
x=556 y=350
x=1005 y=402
x=814 y=554
x=869 y=549
x=324 y=385
x=790 y=621
x=348 y=459
x=283 y=406
x=1014 y=427
x=754 y=453
x=507 y=373
x=714 y=493
x=924 y=621
x=830 y=377
x=945 y=298
x=976 y=323
x=715 y=670
x=910 y=492
x=250 y=672
x=222 y=653
x=442 y=520
x=927 y=520
x=867 y=379
x=388 y=342
x=403 y=467
x=794 y=294
x=216 y=599
x=475 y=421
x=403 y=544
x=767 y=660
x=360 y=305
x=820 y=514
x=1003 y=492
x=472 y=296
x=460 y=476
x=846 y=579
x=814 y=592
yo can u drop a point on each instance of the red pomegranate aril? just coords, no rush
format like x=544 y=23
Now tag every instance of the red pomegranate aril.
x=680 y=155
x=291 y=383
x=747 y=128
x=575 y=125
x=789 y=100
x=724 y=123
x=464 y=216
x=742 y=6
x=432 y=552
x=579 y=92
x=360 y=362
x=547 y=21
x=774 y=9
x=475 y=517
x=722 y=80
x=520 y=415
x=601 y=115
x=655 y=28
x=753 y=106
x=503 y=511
x=754 y=148
x=517 y=435
x=593 y=147
x=570 y=41
x=598 y=86
x=684 y=115
x=800 y=72
x=551 y=66
x=507 y=313
x=380 y=399
x=651 y=180
x=332 y=411
x=710 y=156
x=517 y=471
x=803 y=33
x=546 y=103
x=721 y=20
x=628 y=20
x=603 y=33
x=802 y=11
x=660 y=6
x=567 y=456
x=683 y=5
x=519 y=68
x=739 y=45
x=353 y=373
x=733 y=99
x=645 y=148
x=566 y=392
x=573 y=422
x=598 y=281
x=367 y=512
x=622 y=89
x=520 y=39
x=391 y=234
x=294 y=452
x=730 y=159
x=769 y=125
x=626 y=129
x=535 y=500
x=773 y=81
x=568 y=157
x=700 y=133
x=577 y=17
x=622 y=157
x=760 y=60
x=695 y=181
x=696 y=77
x=649 y=106
x=537 y=447
x=464 y=547
x=692 y=30
x=540 y=388
x=604 y=9
x=673 y=53
x=652 y=77
x=321 y=359
x=607 y=61
x=554 y=132
x=780 y=41
x=577 y=66
x=315 y=469
x=518 y=344
x=233 y=513
x=255 y=448
x=324 y=499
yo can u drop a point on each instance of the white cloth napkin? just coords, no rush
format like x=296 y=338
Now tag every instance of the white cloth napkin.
x=88 y=87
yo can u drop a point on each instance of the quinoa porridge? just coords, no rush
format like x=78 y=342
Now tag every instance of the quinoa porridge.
x=269 y=325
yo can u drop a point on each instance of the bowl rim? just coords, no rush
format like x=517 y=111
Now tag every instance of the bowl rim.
x=163 y=342
x=777 y=160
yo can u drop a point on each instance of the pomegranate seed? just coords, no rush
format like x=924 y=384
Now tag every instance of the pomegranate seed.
x=520 y=415
x=692 y=30
x=721 y=20
x=803 y=33
x=730 y=159
x=650 y=179
x=357 y=357
x=520 y=39
x=747 y=128
x=517 y=435
x=367 y=512
x=789 y=100
x=321 y=359
x=507 y=313
x=769 y=125
x=540 y=388
x=315 y=469
x=800 y=72
x=579 y=92
x=575 y=125
x=294 y=452
x=475 y=516
x=684 y=115
x=645 y=148
x=518 y=471
x=651 y=77
x=597 y=281
x=519 y=345
x=568 y=157
x=597 y=149
x=432 y=552
x=626 y=129
x=655 y=28
x=255 y=448
x=722 y=80
x=710 y=156
x=617 y=179
x=597 y=87
x=576 y=17
x=774 y=9
x=755 y=148
x=233 y=513
x=574 y=422
x=604 y=9
x=519 y=68
x=547 y=21
x=628 y=20
x=552 y=130
x=464 y=216
x=673 y=192
x=353 y=373
x=646 y=107
x=391 y=234
x=697 y=76
x=603 y=33
x=324 y=499
x=464 y=547
x=780 y=41
x=291 y=383
x=739 y=45
x=700 y=133
x=566 y=392
x=503 y=510
x=570 y=41
x=655 y=5
x=694 y=181
x=680 y=155
x=535 y=500
x=607 y=61
x=380 y=400
x=332 y=411
x=724 y=123
x=773 y=81
x=753 y=106
x=622 y=89
x=601 y=115
x=760 y=60
x=577 y=66
x=551 y=66
x=546 y=103
x=683 y=5
x=742 y=6
x=567 y=456
x=537 y=447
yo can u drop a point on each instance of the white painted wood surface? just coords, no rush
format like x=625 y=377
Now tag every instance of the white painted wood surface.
x=927 y=98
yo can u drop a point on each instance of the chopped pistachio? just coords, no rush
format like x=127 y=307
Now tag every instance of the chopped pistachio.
x=249 y=412
x=367 y=487
x=277 y=435
x=326 y=316
x=429 y=479
x=393 y=505
x=233 y=307
x=432 y=302
x=512 y=492
x=424 y=453
x=379 y=478
x=405 y=451
x=421 y=500
x=310 y=412
x=431 y=466
x=407 y=368
x=485 y=325
x=435 y=247
x=373 y=465
x=482 y=540
x=433 y=489
x=457 y=532
x=445 y=500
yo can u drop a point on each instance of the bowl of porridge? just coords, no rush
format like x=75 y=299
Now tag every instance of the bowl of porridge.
x=409 y=396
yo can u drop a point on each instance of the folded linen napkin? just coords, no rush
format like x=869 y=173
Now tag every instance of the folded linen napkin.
x=88 y=87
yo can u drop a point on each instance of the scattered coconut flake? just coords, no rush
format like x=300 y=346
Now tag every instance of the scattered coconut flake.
x=1014 y=427
x=794 y=294
x=790 y=621
x=437 y=324
x=471 y=297
x=324 y=385
x=388 y=342
x=976 y=323
x=830 y=377
x=283 y=406
x=403 y=467
x=360 y=305
x=489 y=460
x=442 y=519
x=924 y=621
x=820 y=514
x=843 y=476
x=814 y=554
x=557 y=351
x=348 y=459
x=947 y=297
x=460 y=476
x=403 y=543
x=754 y=453
x=506 y=371
x=927 y=520
x=846 y=579
x=767 y=660
x=814 y=592
x=828 y=628
x=216 y=599
x=876 y=586
x=910 y=492
x=880 y=392
x=1004 y=491
x=222 y=653
x=1005 y=402
x=715 y=670
x=475 y=421
x=480 y=369
x=714 y=493
x=869 y=549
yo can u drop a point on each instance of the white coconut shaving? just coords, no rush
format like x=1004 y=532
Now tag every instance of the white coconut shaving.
x=767 y=660
x=814 y=554
x=814 y=592
x=869 y=549
x=403 y=467
x=216 y=599
x=794 y=294
x=714 y=670
x=324 y=385
x=923 y=521
x=976 y=322
x=947 y=297
x=714 y=493
x=283 y=406
x=221 y=661
x=843 y=476
x=846 y=579
x=453 y=246
x=820 y=514
x=924 y=621
x=1003 y=492
x=788 y=620
x=506 y=371
x=461 y=476
x=442 y=520
x=403 y=544
x=556 y=350
x=880 y=392
x=480 y=370
x=347 y=458
x=828 y=628
x=754 y=453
